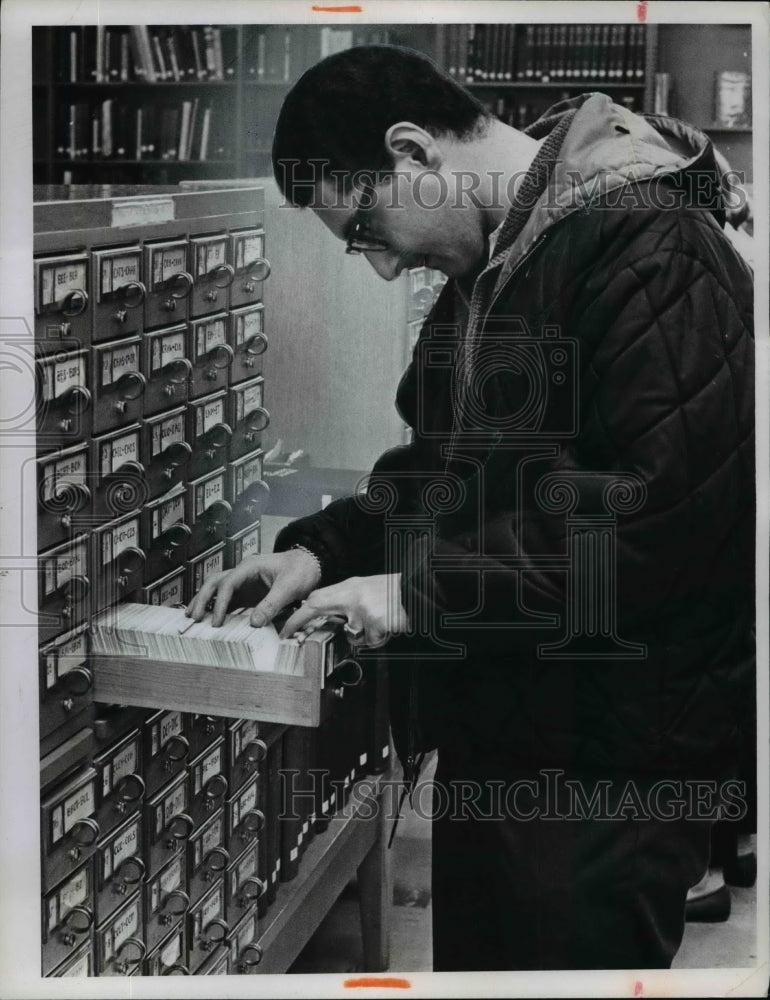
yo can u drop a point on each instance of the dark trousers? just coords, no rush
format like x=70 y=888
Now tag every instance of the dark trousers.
x=550 y=892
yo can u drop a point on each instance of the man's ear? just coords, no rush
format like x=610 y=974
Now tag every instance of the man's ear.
x=406 y=141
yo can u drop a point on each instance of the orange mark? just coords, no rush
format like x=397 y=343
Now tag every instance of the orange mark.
x=352 y=9
x=389 y=983
x=641 y=11
x=638 y=988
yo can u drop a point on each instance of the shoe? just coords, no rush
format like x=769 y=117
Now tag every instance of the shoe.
x=741 y=870
x=713 y=908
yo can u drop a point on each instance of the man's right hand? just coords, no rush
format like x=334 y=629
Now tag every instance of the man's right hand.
x=282 y=577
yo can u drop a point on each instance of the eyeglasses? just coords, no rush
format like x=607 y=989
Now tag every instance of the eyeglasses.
x=359 y=239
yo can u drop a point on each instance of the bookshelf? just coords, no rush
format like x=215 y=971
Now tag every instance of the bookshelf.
x=157 y=105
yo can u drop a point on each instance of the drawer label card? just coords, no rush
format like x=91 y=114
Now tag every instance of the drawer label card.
x=126 y=926
x=118 y=451
x=66 y=470
x=208 y=416
x=248 y=325
x=249 y=250
x=78 y=806
x=116 y=541
x=72 y=893
x=213 y=564
x=247 y=934
x=171 y=878
x=170 y=725
x=208 y=493
x=58 y=280
x=67 y=374
x=172 y=952
x=166 y=514
x=119 y=361
x=213 y=837
x=167 y=349
x=126 y=845
x=249 y=545
x=209 y=336
x=124 y=763
x=208 y=256
x=247 y=732
x=174 y=804
x=169 y=593
x=212 y=908
x=245 y=803
x=252 y=471
x=167 y=263
x=252 y=398
x=166 y=432
x=246 y=868
x=80 y=968
x=210 y=766
x=118 y=271
x=61 y=569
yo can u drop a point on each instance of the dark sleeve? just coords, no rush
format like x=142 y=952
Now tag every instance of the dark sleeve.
x=665 y=390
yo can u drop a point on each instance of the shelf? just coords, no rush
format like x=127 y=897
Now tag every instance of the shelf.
x=143 y=84
x=354 y=843
x=140 y=163
x=537 y=85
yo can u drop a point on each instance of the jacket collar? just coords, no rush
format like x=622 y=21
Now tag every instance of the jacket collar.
x=606 y=148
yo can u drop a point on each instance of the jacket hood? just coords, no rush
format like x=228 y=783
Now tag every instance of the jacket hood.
x=606 y=148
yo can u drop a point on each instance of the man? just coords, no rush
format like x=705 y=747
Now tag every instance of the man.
x=565 y=550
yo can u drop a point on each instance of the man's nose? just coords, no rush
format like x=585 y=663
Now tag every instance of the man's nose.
x=385 y=263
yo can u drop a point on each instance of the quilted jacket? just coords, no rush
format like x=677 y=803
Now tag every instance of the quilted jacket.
x=575 y=526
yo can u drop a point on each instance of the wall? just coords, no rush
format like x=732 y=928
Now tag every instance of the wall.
x=337 y=336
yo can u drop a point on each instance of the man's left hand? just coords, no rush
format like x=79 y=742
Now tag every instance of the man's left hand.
x=371 y=605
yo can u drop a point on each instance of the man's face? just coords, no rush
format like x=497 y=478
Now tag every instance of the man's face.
x=418 y=216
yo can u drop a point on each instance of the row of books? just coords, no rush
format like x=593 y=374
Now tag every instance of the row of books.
x=141 y=54
x=189 y=130
x=546 y=53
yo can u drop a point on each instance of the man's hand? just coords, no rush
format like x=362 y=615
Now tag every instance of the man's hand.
x=371 y=604
x=274 y=580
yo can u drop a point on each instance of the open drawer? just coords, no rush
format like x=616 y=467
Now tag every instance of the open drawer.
x=160 y=669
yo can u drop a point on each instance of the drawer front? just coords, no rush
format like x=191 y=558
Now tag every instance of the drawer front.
x=166 y=748
x=203 y=732
x=117 y=384
x=200 y=568
x=211 y=355
x=207 y=928
x=68 y=918
x=207 y=856
x=63 y=496
x=168 y=591
x=119 y=292
x=66 y=681
x=248 y=493
x=119 y=478
x=208 y=782
x=212 y=273
x=243 y=886
x=248 y=417
x=169 y=283
x=245 y=821
x=68 y=827
x=120 y=786
x=245 y=951
x=166 y=452
x=117 y=561
x=79 y=965
x=165 y=900
x=165 y=534
x=120 y=947
x=64 y=400
x=169 y=958
x=119 y=868
x=251 y=267
x=209 y=511
x=208 y=434
x=62 y=301
x=167 y=824
x=167 y=368
x=245 y=752
x=248 y=341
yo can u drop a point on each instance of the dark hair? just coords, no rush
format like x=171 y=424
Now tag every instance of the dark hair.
x=333 y=122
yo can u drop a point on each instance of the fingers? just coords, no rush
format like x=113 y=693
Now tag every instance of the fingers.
x=197 y=607
x=267 y=609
